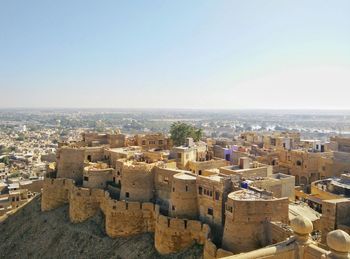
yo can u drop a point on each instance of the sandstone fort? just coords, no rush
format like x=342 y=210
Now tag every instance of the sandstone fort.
x=270 y=196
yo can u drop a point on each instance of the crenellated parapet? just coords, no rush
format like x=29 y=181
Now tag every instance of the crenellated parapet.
x=173 y=234
x=55 y=193
x=96 y=175
x=211 y=251
x=129 y=218
x=124 y=218
x=137 y=167
x=84 y=203
x=251 y=211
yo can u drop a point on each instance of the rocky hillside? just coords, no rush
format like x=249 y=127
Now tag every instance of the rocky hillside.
x=31 y=233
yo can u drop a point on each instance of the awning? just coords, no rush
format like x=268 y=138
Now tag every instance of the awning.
x=314 y=199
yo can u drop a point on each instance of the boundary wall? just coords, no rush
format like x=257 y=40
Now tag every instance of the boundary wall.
x=55 y=193
x=123 y=218
x=84 y=203
x=173 y=234
x=210 y=251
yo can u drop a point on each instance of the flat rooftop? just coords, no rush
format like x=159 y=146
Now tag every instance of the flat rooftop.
x=339 y=182
x=296 y=209
x=13 y=186
x=16 y=192
x=184 y=176
x=216 y=178
x=310 y=140
x=4 y=199
x=125 y=149
x=248 y=195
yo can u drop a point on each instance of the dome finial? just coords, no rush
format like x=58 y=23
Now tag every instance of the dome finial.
x=339 y=243
x=301 y=225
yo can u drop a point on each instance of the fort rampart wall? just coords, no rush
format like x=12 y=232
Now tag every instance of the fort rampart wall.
x=84 y=203
x=212 y=252
x=55 y=193
x=128 y=218
x=173 y=234
x=123 y=218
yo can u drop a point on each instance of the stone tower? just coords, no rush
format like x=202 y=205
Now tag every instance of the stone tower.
x=183 y=203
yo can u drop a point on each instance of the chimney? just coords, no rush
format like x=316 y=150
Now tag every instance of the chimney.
x=189 y=142
x=244 y=163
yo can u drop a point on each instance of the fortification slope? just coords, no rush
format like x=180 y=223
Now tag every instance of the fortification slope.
x=31 y=233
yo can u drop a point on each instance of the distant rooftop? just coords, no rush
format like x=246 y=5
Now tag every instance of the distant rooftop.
x=249 y=195
x=184 y=176
x=13 y=186
x=296 y=209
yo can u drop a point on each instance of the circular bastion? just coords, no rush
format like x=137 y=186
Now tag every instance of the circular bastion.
x=247 y=212
x=183 y=197
x=96 y=175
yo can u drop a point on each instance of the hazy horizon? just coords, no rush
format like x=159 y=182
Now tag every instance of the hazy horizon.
x=170 y=109
x=196 y=55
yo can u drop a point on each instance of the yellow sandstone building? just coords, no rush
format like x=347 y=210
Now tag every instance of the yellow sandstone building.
x=186 y=196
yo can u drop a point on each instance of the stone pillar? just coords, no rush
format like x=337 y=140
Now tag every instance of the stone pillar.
x=302 y=227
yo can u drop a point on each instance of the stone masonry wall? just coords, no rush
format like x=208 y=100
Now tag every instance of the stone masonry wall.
x=334 y=213
x=249 y=218
x=55 y=193
x=212 y=252
x=128 y=218
x=70 y=163
x=173 y=235
x=124 y=218
x=137 y=182
x=184 y=197
x=163 y=178
x=84 y=203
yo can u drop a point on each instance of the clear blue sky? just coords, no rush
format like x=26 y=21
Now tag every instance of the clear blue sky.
x=175 y=54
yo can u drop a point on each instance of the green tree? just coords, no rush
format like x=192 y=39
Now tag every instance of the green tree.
x=179 y=131
x=5 y=160
x=197 y=134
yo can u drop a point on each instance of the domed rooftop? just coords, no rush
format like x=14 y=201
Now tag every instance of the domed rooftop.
x=338 y=240
x=301 y=225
